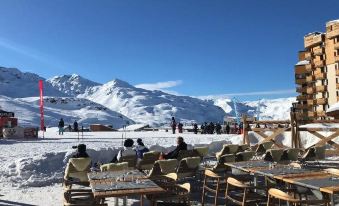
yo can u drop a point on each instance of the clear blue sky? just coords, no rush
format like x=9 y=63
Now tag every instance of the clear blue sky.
x=206 y=47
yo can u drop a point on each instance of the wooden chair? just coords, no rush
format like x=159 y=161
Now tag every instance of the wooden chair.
x=188 y=167
x=202 y=151
x=131 y=160
x=292 y=154
x=275 y=194
x=263 y=147
x=213 y=183
x=114 y=167
x=243 y=147
x=274 y=155
x=187 y=153
x=175 y=194
x=314 y=153
x=241 y=193
x=76 y=172
x=161 y=168
x=147 y=162
x=227 y=149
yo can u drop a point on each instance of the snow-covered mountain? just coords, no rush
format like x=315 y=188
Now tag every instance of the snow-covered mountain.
x=269 y=109
x=14 y=83
x=84 y=111
x=152 y=107
x=72 y=85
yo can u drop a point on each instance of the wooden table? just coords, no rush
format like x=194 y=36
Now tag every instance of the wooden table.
x=122 y=191
x=312 y=179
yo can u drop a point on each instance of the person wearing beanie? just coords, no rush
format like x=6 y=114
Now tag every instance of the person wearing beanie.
x=140 y=149
x=81 y=152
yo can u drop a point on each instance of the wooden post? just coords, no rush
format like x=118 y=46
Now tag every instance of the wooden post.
x=245 y=131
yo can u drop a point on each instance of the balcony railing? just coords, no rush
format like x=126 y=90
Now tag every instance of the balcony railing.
x=303 y=106
x=308 y=67
x=320 y=76
x=337 y=86
x=321 y=101
x=319 y=63
x=321 y=88
x=310 y=78
x=308 y=55
x=337 y=72
x=301 y=89
x=300 y=81
x=310 y=90
x=310 y=102
x=319 y=51
x=302 y=97
x=312 y=40
x=336 y=58
x=311 y=114
x=321 y=114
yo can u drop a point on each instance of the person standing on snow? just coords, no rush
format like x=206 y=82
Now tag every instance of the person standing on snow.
x=173 y=125
x=180 y=127
x=61 y=126
x=76 y=126
x=195 y=128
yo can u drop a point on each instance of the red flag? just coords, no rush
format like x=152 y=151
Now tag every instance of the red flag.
x=42 y=121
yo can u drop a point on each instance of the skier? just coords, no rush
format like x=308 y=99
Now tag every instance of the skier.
x=173 y=125
x=195 y=128
x=61 y=126
x=180 y=127
x=76 y=126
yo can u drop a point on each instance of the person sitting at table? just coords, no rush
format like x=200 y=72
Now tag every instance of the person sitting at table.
x=140 y=149
x=181 y=145
x=81 y=151
x=127 y=151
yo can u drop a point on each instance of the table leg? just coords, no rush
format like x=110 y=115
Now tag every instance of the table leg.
x=332 y=200
x=141 y=200
x=125 y=201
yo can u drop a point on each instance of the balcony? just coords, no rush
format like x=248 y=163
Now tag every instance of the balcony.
x=320 y=101
x=300 y=81
x=336 y=45
x=308 y=55
x=321 y=114
x=301 y=89
x=310 y=90
x=320 y=76
x=313 y=39
x=310 y=78
x=310 y=102
x=337 y=72
x=300 y=69
x=303 y=106
x=321 y=88
x=336 y=58
x=319 y=51
x=337 y=86
x=319 y=63
x=311 y=114
x=308 y=67
x=302 y=98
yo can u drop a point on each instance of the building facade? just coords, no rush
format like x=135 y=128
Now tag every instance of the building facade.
x=317 y=73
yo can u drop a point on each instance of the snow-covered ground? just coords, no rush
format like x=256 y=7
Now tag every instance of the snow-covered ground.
x=31 y=171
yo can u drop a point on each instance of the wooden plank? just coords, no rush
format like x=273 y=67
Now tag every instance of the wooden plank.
x=325 y=140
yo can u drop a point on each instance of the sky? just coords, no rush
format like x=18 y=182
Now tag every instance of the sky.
x=245 y=49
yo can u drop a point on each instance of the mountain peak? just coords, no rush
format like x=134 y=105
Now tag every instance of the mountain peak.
x=119 y=83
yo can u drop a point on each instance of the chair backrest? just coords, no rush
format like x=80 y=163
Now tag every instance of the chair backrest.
x=275 y=154
x=227 y=158
x=233 y=148
x=150 y=157
x=78 y=168
x=114 y=167
x=189 y=164
x=263 y=147
x=244 y=156
x=278 y=194
x=202 y=151
x=292 y=154
x=236 y=183
x=131 y=160
x=243 y=147
x=187 y=153
x=167 y=166
x=320 y=152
